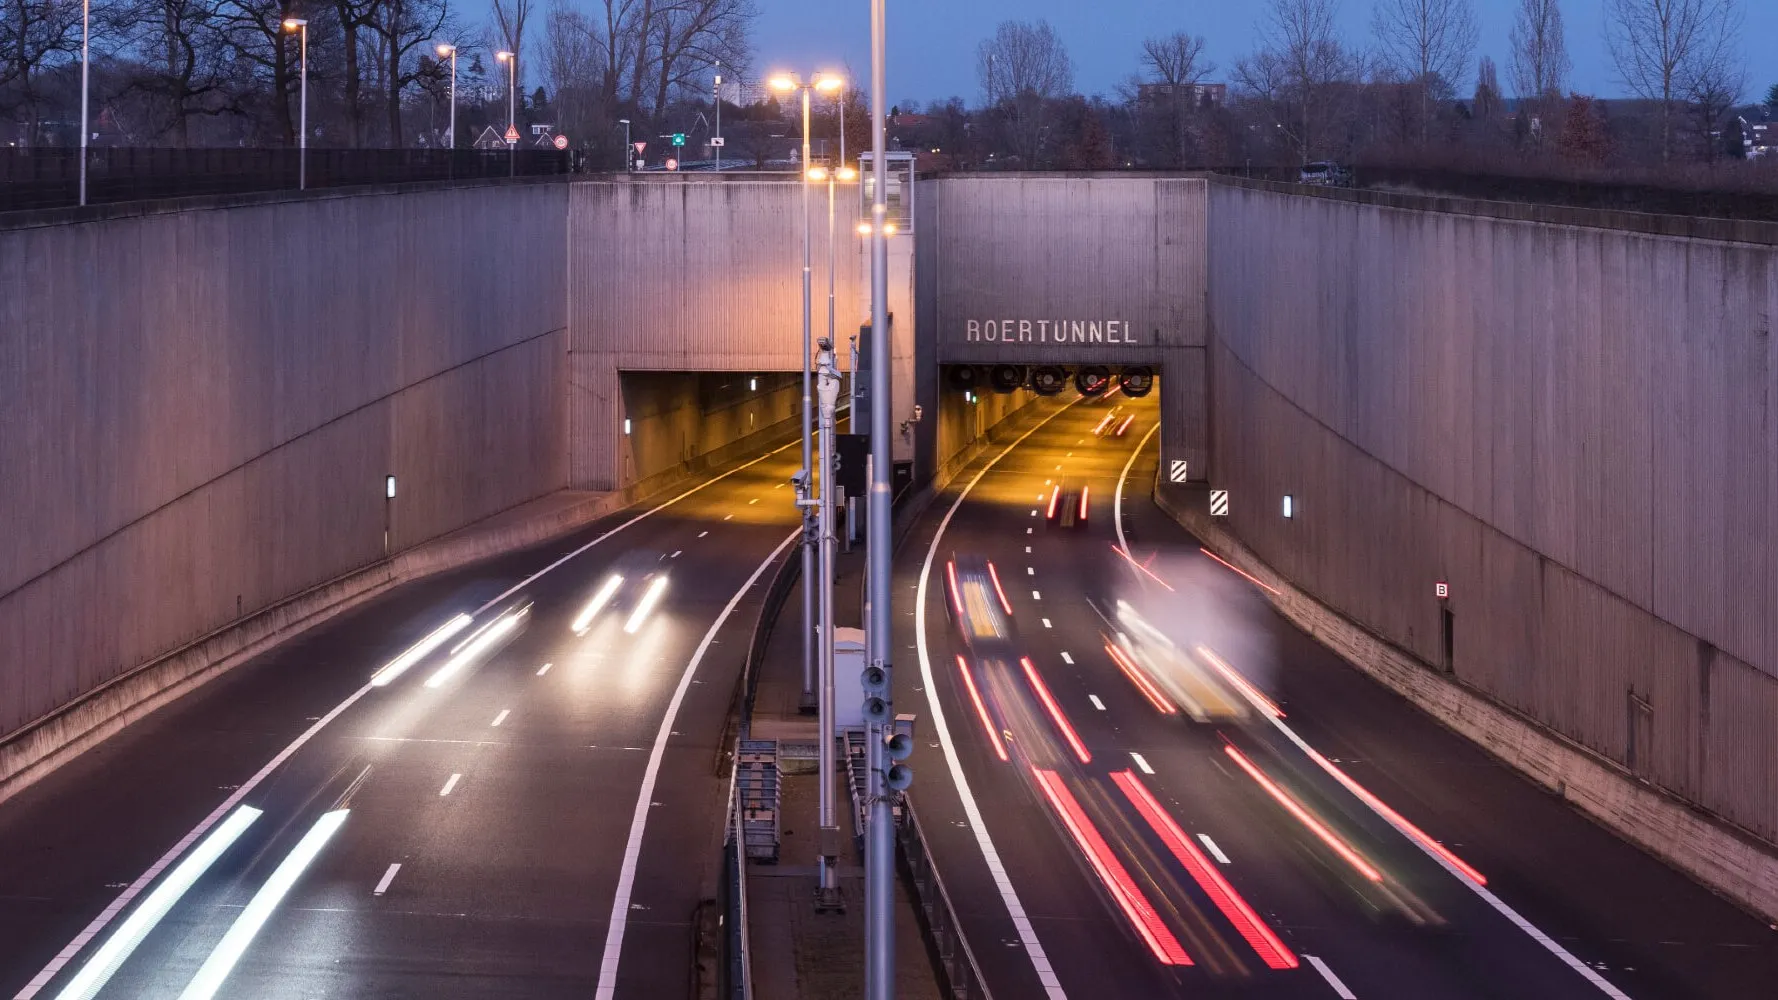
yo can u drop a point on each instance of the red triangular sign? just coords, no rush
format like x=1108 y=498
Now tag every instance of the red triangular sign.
x=640 y=146
x=512 y=134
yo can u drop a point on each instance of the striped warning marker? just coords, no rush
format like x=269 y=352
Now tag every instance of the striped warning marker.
x=1219 y=503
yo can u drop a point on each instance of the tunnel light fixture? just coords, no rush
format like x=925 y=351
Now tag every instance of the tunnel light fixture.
x=246 y=926
x=389 y=487
x=96 y=973
x=753 y=385
x=626 y=425
x=1289 y=505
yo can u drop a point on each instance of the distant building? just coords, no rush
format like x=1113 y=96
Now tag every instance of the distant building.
x=1198 y=94
x=1759 y=138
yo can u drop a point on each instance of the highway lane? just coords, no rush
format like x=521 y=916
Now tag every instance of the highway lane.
x=1629 y=925
x=506 y=794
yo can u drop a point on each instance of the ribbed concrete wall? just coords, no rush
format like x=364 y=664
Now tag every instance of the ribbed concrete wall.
x=1572 y=426
x=200 y=405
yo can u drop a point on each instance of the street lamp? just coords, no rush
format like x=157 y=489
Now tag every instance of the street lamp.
x=85 y=37
x=629 y=150
x=301 y=27
x=512 y=76
x=786 y=83
x=451 y=50
x=718 y=144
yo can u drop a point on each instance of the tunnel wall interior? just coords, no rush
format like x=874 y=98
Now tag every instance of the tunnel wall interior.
x=201 y=404
x=680 y=422
x=1570 y=427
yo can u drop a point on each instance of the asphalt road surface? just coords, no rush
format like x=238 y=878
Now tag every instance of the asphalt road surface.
x=1311 y=835
x=533 y=816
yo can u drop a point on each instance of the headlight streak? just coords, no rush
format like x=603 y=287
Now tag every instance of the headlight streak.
x=420 y=650
x=98 y=970
x=483 y=640
x=650 y=598
x=584 y=620
x=240 y=934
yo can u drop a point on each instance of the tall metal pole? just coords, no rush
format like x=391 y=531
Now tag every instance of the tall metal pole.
x=808 y=699
x=828 y=895
x=453 y=97
x=629 y=150
x=85 y=37
x=302 y=141
x=879 y=848
x=718 y=148
x=512 y=83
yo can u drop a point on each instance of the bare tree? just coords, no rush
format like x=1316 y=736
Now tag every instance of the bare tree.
x=510 y=17
x=1299 y=72
x=1539 y=62
x=1176 y=65
x=404 y=26
x=1426 y=41
x=1664 y=47
x=1712 y=93
x=1024 y=68
x=34 y=34
x=1487 y=90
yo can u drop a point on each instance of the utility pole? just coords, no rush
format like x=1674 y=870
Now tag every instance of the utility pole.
x=808 y=698
x=827 y=895
x=879 y=846
x=719 y=116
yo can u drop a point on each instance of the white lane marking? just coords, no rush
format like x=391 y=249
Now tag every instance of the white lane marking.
x=1046 y=623
x=1215 y=852
x=544 y=669
x=752 y=501
x=676 y=553
x=728 y=517
x=1332 y=980
x=450 y=783
x=534 y=577
x=1028 y=530
x=1096 y=702
x=1030 y=571
x=388 y=877
x=1141 y=762
x=1035 y=596
x=702 y=533
x=972 y=812
x=498 y=719
x=626 y=878
x=135 y=888
x=1058 y=468
x=1066 y=658
x=1027 y=550
x=1117 y=507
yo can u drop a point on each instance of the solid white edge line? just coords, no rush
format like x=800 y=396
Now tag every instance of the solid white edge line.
x=98 y=971
x=1040 y=962
x=534 y=577
x=1117 y=509
x=123 y=899
x=1332 y=980
x=388 y=877
x=100 y=922
x=626 y=878
x=1215 y=851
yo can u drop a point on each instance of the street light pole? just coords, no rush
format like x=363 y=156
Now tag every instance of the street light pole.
x=85 y=38
x=451 y=50
x=879 y=847
x=301 y=27
x=512 y=76
x=718 y=146
x=827 y=894
x=629 y=151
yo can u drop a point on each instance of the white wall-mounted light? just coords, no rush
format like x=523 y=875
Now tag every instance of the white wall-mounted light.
x=389 y=487
x=626 y=425
x=1289 y=505
x=753 y=385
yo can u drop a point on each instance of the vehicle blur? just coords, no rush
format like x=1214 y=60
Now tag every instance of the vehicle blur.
x=977 y=605
x=634 y=586
x=1067 y=507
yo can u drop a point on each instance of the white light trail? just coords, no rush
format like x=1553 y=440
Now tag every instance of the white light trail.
x=419 y=650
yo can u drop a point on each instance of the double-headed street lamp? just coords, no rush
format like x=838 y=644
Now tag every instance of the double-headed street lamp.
x=443 y=51
x=301 y=27
x=785 y=83
x=629 y=151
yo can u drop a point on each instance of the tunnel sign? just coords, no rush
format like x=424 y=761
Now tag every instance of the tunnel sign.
x=1441 y=589
x=1219 y=503
x=1176 y=471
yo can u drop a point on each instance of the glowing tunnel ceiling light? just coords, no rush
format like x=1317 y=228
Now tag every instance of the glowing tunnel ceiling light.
x=420 y=650
x=475 y=647
x=98 y=970
x=650 y=598
x=585 y=619
x=240 y=934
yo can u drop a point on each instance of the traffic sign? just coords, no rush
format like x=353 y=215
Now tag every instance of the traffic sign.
x=1441 y=590
x=679 y=138
x=1219 y=503
x=716 y=140
x=640 y=146
x=560 y=141
x=512 y=134
x=672 y=164
x=1176 y=471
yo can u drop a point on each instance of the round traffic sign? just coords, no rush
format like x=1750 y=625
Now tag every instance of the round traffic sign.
x=561 y=141
x=672 y=164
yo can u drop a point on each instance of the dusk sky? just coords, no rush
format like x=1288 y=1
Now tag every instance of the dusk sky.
x=933 y=42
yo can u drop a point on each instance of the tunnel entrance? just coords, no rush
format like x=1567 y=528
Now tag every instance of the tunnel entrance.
x=677 y=424
x=978 y=404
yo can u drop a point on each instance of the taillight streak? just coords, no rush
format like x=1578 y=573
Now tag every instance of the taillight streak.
x=1140 y=912
x=1257 y=934
x=1315 y=826
x=994 y=575
x=981 y=710
x=1401 y=823
x=1084 y=490
x=1249 y=576
x=1143 y=684
x=1055 y=711
x=1139 y=567
x=1055 y=498
x=1233 y=676
x=956 y=595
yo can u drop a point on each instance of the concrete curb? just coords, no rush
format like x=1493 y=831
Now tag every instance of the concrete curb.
x=32 y=752
x=1728 y=861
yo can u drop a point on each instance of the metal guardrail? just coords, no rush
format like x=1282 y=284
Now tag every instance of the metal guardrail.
x=737 y=960
x=951 y=957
